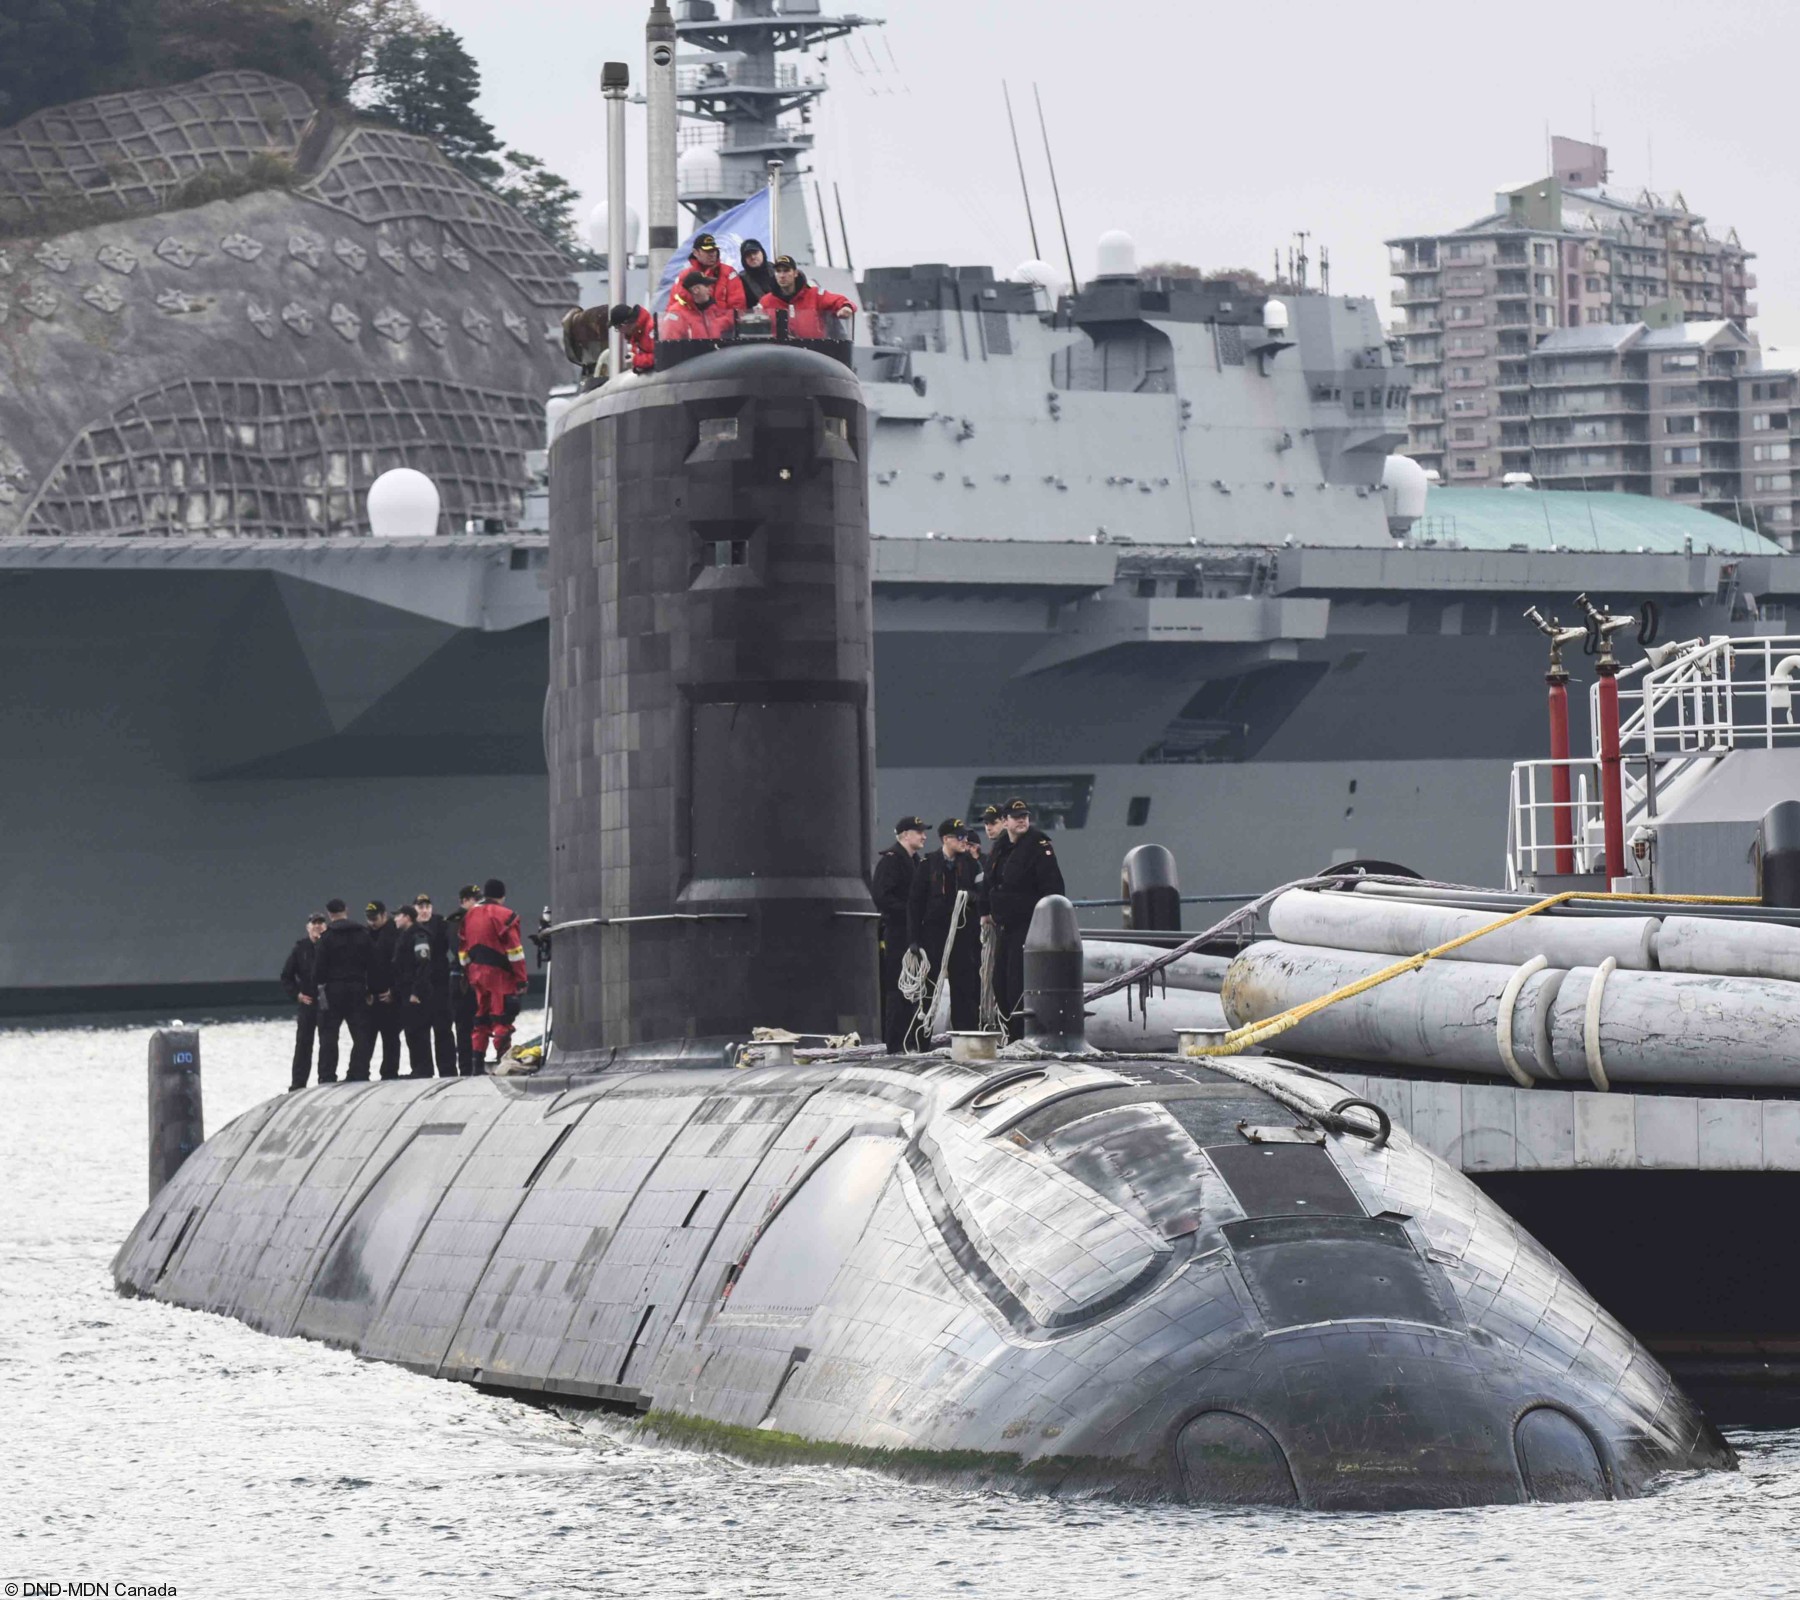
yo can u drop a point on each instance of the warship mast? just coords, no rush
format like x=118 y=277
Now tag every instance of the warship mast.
x=742 y=106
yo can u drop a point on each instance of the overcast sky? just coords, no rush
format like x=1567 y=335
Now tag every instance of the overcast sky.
x=1212 y=132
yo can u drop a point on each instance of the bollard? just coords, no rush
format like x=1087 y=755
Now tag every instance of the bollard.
x=177 y=1128
x=1151 y=888
x=1777 y=854
x=1055 y=1015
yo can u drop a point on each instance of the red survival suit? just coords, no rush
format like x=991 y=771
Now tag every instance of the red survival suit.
x=808 y=309
x=493 y=958
x=685 y=320
x=728 y=289
x=640 y=335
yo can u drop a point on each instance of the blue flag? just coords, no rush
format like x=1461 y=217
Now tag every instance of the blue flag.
x=731 y=228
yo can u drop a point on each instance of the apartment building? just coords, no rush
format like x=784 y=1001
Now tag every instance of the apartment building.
x=1559 y=253
x=1683 y=413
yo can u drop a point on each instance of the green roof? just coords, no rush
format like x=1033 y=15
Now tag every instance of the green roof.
x=1546 y=519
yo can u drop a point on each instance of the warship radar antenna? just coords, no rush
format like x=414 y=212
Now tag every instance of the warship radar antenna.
x=742 y=106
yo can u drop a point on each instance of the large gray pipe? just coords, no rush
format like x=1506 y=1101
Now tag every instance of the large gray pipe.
x=615 y=80
x=177 y=1126
x=1121 y=1023
x=1741 y=949
x=1442 y=1016
x=1340 y=921
x=1575 y=1027
x=1102 y=959
x=1676 y=1027
x=659 y=136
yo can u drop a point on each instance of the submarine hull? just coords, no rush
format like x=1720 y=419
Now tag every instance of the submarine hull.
x=1137 y=1278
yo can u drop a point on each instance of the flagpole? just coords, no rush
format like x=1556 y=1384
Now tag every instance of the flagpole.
x=774 y=209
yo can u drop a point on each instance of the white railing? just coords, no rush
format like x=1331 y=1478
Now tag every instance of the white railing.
x=1710 y=697
x=1531 y=816
x=1680 y=714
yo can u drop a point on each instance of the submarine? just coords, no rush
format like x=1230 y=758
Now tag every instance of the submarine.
x=1141 y=1276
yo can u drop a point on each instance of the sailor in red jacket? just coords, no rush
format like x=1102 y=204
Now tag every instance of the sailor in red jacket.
x=806 y=304
x=493 y=960
x=692 y=314
x=640 y=335
x=728 y=291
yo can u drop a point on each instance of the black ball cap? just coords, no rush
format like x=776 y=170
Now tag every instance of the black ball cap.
x=468 y=892
x=949 y=826
x=706 y=242
x=990 y=813
x=1017 y=808
x=619 y=316
x=375 y=908
x=784 y=264
x=909 y=825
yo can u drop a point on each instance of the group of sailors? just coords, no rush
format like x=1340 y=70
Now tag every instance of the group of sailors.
x=959 y=914
x=706 y=302
x=447 y=986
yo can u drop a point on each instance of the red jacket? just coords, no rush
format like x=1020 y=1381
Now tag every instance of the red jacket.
x=808 y=309
x=685 y=320
x=641 y=336
x=490 y=939
x=728 y=289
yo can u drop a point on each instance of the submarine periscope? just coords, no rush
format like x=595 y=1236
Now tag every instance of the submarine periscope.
x=1213 y=1281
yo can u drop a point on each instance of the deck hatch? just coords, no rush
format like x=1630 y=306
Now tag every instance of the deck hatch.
x=1281 y=1180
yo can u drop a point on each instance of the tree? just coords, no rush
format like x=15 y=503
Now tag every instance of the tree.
x=545 y=200
x=57 y=50
x=426 y=83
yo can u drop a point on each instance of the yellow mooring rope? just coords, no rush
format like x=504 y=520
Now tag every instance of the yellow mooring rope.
x=1252 y=1033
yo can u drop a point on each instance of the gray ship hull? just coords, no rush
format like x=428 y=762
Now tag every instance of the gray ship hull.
x=208 y=740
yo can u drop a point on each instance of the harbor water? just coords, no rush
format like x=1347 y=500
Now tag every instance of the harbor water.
x=152 y=1446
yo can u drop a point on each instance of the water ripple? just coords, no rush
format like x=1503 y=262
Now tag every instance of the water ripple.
x=167 y=1446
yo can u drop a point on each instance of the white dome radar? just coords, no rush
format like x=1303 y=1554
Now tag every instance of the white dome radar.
x=1275 y=317
x=1045 y=282
x=597 y=221
x=1116 y=255
x=1405 y=484
x=403 y=504
x=1517 y=480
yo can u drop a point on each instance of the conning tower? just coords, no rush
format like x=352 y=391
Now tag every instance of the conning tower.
x=710 y=724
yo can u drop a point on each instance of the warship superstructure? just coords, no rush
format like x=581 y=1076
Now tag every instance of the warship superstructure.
x=1140 y=556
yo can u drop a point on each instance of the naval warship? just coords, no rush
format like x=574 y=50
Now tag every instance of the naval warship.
x=1221 y=1282
x=1142 y=553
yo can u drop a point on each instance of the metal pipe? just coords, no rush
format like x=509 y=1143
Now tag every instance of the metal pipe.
x=843 y=232
x=1612 y=786
x=774 y=208
x=1055 y=191
x=1562 y=820
x=659 y=136
x=824 y=223
x=615 y=80
x=1019 y=158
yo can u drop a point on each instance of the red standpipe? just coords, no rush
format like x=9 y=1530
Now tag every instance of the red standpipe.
x=1612 y=784
x=1562 y=821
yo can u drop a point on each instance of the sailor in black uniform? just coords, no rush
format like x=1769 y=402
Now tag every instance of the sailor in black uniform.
x=1028 y=872
x=941 y=877
x=341 y=964
x=999 y=843
x=891 y=885
x=414 y=975
x=297 y=979
x=384 y=1011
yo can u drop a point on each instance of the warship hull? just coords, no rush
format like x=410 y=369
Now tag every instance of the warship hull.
x=210 y=738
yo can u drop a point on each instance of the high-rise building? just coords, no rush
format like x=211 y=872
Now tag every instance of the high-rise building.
x=1559 y=253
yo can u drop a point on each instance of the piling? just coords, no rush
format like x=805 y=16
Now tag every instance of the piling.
x=177 y=1127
